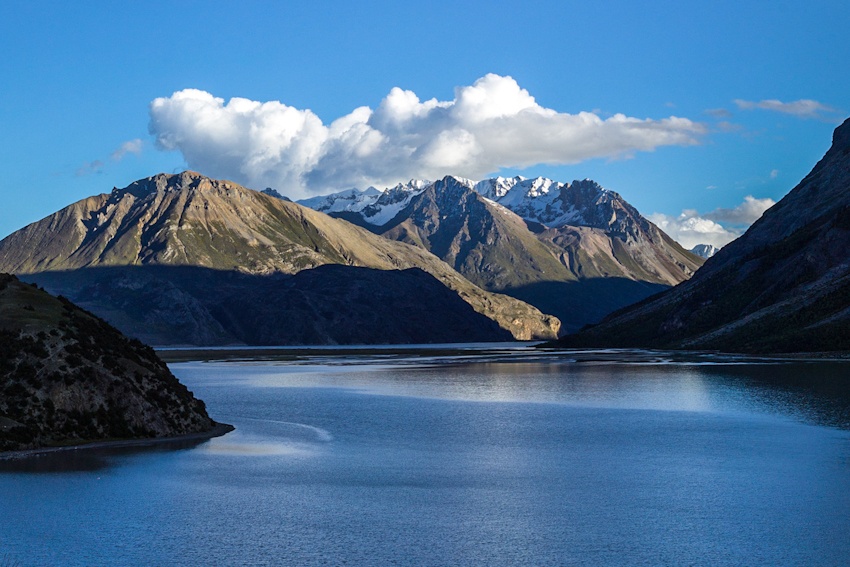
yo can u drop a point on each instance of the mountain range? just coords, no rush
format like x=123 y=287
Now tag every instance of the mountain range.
x=184 y=259
x=577 y=251
x=783 y=286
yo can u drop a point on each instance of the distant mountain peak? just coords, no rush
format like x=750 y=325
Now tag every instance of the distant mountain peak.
x=705 y=250
x=274 y=193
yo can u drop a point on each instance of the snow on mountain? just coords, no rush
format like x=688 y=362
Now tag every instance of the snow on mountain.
x=705 y=250
x=542 y=200
x=376 y=207
x=349 y=200
x=496 y=187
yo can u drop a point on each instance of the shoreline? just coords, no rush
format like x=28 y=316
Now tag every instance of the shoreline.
x=218 y=430
x=471 y=350
x=194 y=354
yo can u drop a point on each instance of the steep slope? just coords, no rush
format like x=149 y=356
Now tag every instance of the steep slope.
x=190 y=220
x=68 y=377
x=577 y=273
x=783 y=286
x=490 y=245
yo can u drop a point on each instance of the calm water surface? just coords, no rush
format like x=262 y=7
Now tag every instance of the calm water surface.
x=516 y=459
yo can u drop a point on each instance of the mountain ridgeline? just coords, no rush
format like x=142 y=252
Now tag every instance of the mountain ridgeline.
x=184 y=259
x=784 y=286
x=577 y=251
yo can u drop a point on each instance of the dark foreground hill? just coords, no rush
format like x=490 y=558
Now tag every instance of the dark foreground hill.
x=784 y=286
x=67 y=377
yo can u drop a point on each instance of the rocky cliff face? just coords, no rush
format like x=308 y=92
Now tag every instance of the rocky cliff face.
x=782 y=286
x=68 y=377
x=188 y=220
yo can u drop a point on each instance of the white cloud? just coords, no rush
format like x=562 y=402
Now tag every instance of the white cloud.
x=748 y=212
x=774 y=173
x=491 y=124
x=133 y=146
x=691 y=228
x=803 y=108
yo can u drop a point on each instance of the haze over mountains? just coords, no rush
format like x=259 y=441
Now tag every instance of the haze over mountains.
x=783 y=286
x=183 y=259
x=577 y=251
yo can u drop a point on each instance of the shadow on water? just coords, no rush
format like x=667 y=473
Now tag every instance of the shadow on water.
x=90 y=459
x=818 y=392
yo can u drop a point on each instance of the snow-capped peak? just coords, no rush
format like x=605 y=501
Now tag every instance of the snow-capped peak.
x=348 y=200
x=497 y=187
x=705 y=250
x=539 y=199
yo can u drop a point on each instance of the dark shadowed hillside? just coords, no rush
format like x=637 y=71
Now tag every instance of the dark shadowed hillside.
x=330 y=304
x=784 y=286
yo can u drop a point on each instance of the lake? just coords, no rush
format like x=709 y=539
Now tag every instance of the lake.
x=504 y=457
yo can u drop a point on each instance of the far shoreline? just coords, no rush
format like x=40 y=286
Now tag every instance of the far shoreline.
x=218 y=430
x=300 y=353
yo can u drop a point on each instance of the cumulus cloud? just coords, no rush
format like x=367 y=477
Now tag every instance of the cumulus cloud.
x=491 y=124
x=133 y=146
x=803 y=108
x=746 y=213
x=718 y=227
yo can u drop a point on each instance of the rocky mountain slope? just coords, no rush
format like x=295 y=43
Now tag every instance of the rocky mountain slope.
x=784 y=286
x=188 y=220
x=576 y=250
x=68 y=377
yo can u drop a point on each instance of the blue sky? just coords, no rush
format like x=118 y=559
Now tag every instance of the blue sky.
x=78 y=80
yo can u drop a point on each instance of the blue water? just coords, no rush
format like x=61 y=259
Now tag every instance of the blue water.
x=514 y=461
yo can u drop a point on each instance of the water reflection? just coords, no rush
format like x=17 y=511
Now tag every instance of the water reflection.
x=84 y=459
x=814 y=391
x=506 y=460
